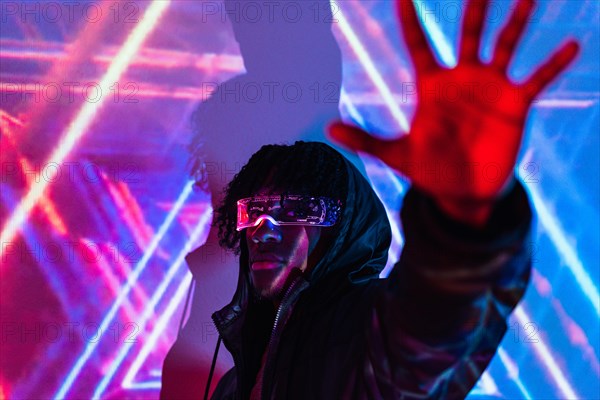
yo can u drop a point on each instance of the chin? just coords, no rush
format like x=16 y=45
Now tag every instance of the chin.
x=270 y=294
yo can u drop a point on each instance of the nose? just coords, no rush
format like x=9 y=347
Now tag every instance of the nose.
x=266 y=231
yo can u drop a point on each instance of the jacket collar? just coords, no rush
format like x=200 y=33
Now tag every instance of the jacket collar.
x=229 y=320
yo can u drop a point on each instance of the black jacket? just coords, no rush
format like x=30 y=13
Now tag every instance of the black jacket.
x=427 y=331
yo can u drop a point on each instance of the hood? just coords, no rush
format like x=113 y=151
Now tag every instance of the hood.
x=360 y=249
x=358 y=252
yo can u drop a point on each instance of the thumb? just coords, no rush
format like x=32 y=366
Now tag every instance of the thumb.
x=355 y=139
x=393 y=152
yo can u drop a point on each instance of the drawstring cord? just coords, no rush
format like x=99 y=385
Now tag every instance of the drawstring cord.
x=212 y=368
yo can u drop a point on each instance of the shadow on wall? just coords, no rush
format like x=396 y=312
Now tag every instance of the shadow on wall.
x=290 y=91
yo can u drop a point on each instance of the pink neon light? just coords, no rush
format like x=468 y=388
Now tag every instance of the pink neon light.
x=105 y=268
x=545 y=356
x=577 y=336
x=46 y=204
x=84 y=118
x=541 y=284
x=130 y=211
x=49 y=51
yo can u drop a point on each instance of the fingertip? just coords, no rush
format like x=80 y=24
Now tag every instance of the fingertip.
x=558 y=62
x=525 y=8
x=530 y=3
x=335 y=125
x=569 y=52
x=335 y=130
x=573 y=48
x=335 y=133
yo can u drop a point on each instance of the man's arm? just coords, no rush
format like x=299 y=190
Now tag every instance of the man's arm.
x=465 y=264
x=441 y=316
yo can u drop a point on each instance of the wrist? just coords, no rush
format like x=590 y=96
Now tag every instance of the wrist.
x=473 y=213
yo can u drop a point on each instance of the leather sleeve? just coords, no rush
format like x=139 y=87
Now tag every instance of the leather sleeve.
x=442 y=312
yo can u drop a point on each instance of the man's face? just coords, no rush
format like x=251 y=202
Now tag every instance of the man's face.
x=275 y=252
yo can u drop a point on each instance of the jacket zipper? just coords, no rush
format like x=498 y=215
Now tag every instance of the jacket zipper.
x=275 y=325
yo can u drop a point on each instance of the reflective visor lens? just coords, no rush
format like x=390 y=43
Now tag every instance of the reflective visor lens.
x=287 y=210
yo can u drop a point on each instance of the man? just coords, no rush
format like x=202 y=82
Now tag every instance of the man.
x=310 y=319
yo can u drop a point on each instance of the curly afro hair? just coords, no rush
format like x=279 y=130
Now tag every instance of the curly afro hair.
x=311 y=168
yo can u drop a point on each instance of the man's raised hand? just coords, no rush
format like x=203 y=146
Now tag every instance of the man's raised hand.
x=469 y=121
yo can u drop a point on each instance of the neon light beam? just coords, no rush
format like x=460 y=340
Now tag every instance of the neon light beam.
x=149 y=310
x=82 y=121
x=376 y=78
x=569 y=256
x=91 y=346
x=547 y=360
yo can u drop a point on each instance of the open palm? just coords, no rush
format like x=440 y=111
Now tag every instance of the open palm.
x=469 y=121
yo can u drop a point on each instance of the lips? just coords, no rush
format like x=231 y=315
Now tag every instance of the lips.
x=266 y=261
x=266 y=258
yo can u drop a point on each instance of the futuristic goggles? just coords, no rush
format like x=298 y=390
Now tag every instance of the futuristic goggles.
x=288 y=210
